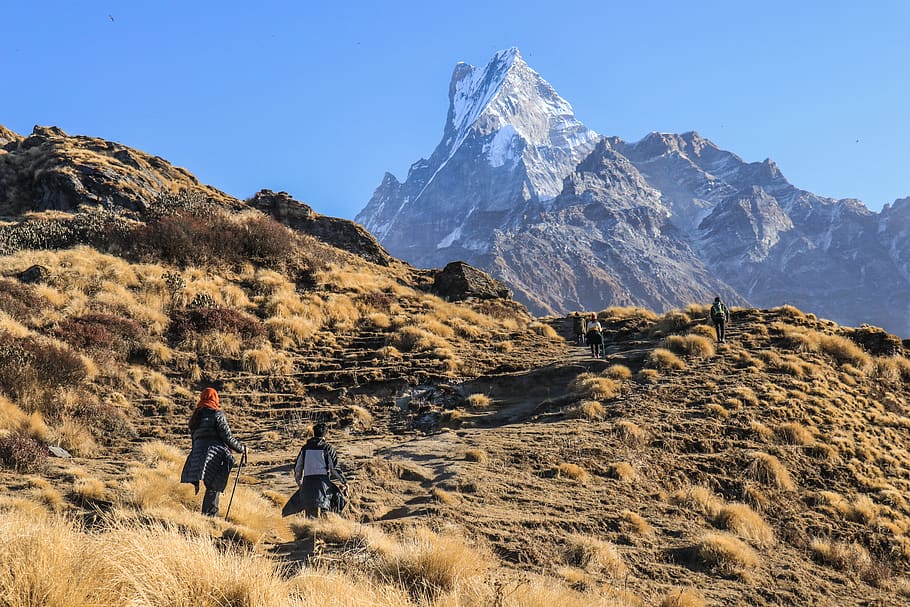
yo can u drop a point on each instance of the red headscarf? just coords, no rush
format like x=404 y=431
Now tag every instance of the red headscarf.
x=208 y=400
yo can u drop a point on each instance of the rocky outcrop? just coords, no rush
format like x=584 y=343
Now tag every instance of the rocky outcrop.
x=340 y=233
x=459 y=281
x=51 y=170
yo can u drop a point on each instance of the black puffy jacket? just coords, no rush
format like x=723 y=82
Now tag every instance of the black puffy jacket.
x=210 y=459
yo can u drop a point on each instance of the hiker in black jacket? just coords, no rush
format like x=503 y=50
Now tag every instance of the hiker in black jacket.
x=210 y=459
x=316 y=466
x=719 y=316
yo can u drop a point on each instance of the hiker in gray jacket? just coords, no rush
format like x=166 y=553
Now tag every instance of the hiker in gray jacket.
x=316 y=466
x=210 y=459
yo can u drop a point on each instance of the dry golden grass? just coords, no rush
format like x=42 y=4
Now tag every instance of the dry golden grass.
x=594 y=555
x=694 y=346
x=663 y=359
x=670 y=323
x=587 y=409
x=618 y=372
x=682 y=597
x=850 y=557
x=760 y=430
x=699 y=499
x=631 y=433
x=573 y=472
x=92 y=489
x=444 y=497
x=745 y=523
x=75 y=437
x=726 y=554
x=647 y=376
x=794 y=433
x=433 y=563
x=623 y=471
x=363 y=419
x=770 y=472
x=706 y=331
x=633 y=524
x=477 y=455
x=626 y=313
x=543 y=330
x=716 y=410
x=479 y=400
x=595 y=387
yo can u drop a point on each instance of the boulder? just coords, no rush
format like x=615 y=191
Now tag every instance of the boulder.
x=459 y=281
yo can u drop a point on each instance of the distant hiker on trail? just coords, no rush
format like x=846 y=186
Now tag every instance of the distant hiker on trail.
x=595 y=337
x=316 y=466
x=210 y=459
x=579 y=328
x=719 y=316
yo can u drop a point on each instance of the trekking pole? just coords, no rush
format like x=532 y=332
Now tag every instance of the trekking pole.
x=236 y=480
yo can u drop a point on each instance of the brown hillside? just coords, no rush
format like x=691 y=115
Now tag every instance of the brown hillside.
x=494 y=462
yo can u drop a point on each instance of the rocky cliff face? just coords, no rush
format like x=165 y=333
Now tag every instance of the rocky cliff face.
x=662 y=222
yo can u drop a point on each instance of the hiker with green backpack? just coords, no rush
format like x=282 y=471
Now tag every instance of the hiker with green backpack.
x=719 y=316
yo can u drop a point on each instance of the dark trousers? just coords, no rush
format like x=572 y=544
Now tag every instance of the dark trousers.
x=720 y=329
x=210 y=502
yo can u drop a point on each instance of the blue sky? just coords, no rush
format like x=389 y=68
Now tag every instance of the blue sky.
x=320 y=99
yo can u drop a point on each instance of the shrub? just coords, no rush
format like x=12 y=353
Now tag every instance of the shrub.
x=207 y=320
x=670 y=323
x=746 y=523
x=572 y=471
x=587 y=409
x=594 y=554
x=726 y=554
x=618 y=372
x=767 y=470
x=682 y=597
x=661 y=358
x=794 y=433
x=622 y=471
x=691 y=345
x=101 y=333
x=479 y=400
x=595 y=387
x=20 y=301
x=28 y=363
x=22 y=453
x=543 y=330
x=631 y=433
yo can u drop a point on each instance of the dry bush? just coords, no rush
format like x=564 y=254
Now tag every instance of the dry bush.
x=573 y=472
x=682 y=597
x=694 y=346
x=594 y=554
x=415 y=339
x=760 y=430
x=21 y=453
x=706 y=331
x=661 y=358
x=634 y=523
x=745 y=523
x=429 y=563
x=543 y=330
x=671 y=323
x=587 y=409
x=716 y=410
x=477 y=455
x=726 y=554
x=794 y=433
x=697 y=310
x=699 y=499
x=295 y=331
x=91 y=489
x=788 y=311
x=745 y=395
x=647 y=376
x=479 y=400
x=595 y=387
x=626 y=313
x=362 y=418
x=618 y=372
x=622 y=471
x=631 y=433
x=75 y=437
x=770 y=472
x=852 y=558
x=444 y=497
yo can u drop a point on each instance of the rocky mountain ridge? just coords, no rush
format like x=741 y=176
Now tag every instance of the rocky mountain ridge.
x=662 y=222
